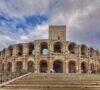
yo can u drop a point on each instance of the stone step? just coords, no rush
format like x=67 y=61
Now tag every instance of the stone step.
x=55 y=82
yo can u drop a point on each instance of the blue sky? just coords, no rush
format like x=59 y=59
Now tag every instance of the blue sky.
x=27 y=20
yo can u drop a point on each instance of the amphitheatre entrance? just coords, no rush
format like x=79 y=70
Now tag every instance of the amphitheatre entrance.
x=72 y=67
x=43 y=66
x=83 y=67
x=30 y=66
x=58 y=66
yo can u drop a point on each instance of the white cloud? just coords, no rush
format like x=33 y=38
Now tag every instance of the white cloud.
x=80 y=16
x=20 y=8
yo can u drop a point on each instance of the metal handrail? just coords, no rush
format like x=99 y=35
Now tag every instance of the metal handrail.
x=6 y=76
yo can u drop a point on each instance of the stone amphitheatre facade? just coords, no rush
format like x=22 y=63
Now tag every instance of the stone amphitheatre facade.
x=52 y=54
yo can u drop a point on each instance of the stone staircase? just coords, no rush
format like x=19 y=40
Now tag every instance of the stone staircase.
x=55 y=82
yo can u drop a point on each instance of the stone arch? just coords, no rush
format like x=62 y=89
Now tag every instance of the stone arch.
x=2 y=67
x=10 y=50
x=92 y=67
x=31 y=48
x=71 y=48
x=83 y=67
x=58 y=66
x=30 y=66
x=44 y=48
x=72 y=67
x=20 y=49
x=43 y=66
x=91 y=52
x=9 y=67
x=58 y=47
x=19 y=66
x=83 y=50
x=3 y=52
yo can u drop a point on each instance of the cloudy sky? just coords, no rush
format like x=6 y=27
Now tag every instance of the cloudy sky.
x=27 y=20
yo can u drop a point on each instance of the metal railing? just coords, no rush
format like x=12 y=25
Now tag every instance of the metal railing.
x=6 y=76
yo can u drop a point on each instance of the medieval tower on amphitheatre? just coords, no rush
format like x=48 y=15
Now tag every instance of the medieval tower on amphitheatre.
x=54 y=53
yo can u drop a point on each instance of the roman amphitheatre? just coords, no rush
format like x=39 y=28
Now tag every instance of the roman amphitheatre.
x=52 y=63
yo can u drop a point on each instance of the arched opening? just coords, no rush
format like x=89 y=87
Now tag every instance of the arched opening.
x=97 y=53
x=20 y=49
x=58 y=66
x=92 y=68
x=91 y=52
x=43 y=66
x=58 y=47
x=10 y=49
x=2 y=67
x=19 y=66
x=83 y=67
x=44 y=48
x=72 y=67
x=71 y=48
x=31 y=49
x=9 y=67
x=3 y=52
x=30 y=66
x=83 y=50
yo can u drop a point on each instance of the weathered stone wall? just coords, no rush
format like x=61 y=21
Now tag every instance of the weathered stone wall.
x=67 y=52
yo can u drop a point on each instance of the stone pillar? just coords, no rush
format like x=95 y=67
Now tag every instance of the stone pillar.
x=25 y=63
x=36 y=65
x=0 y=66
x=79 y=60
x=15 y=51
x=67 y=66
x=13 y=66
x=5 y=66
x=88 y=67
x=50 y=48
x=25 y=49
x=64 y=66
x=79 y=68
x=50 y=64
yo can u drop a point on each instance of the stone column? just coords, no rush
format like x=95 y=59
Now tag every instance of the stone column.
x=36 y=64
x=0 y=66
x=88 y=67
x=25 y=49
x=50 y=64
x=79 y=59
x=64 y=66
x=67 y=66
x=5 y=66
x=25 y=63
x=13 y=66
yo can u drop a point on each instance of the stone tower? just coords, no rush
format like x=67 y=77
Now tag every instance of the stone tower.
x=57 y=33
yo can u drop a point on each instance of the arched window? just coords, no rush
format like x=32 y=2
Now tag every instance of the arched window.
x=20 y=49
x=83 y=50
x=43 y=66
x=31 y=49
x=58 y=47
x=44 y=48
x=91 y=52
x=71 y=48
x=58 y=66
x=72 y=67
x=10 y=49
x=19 y=66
